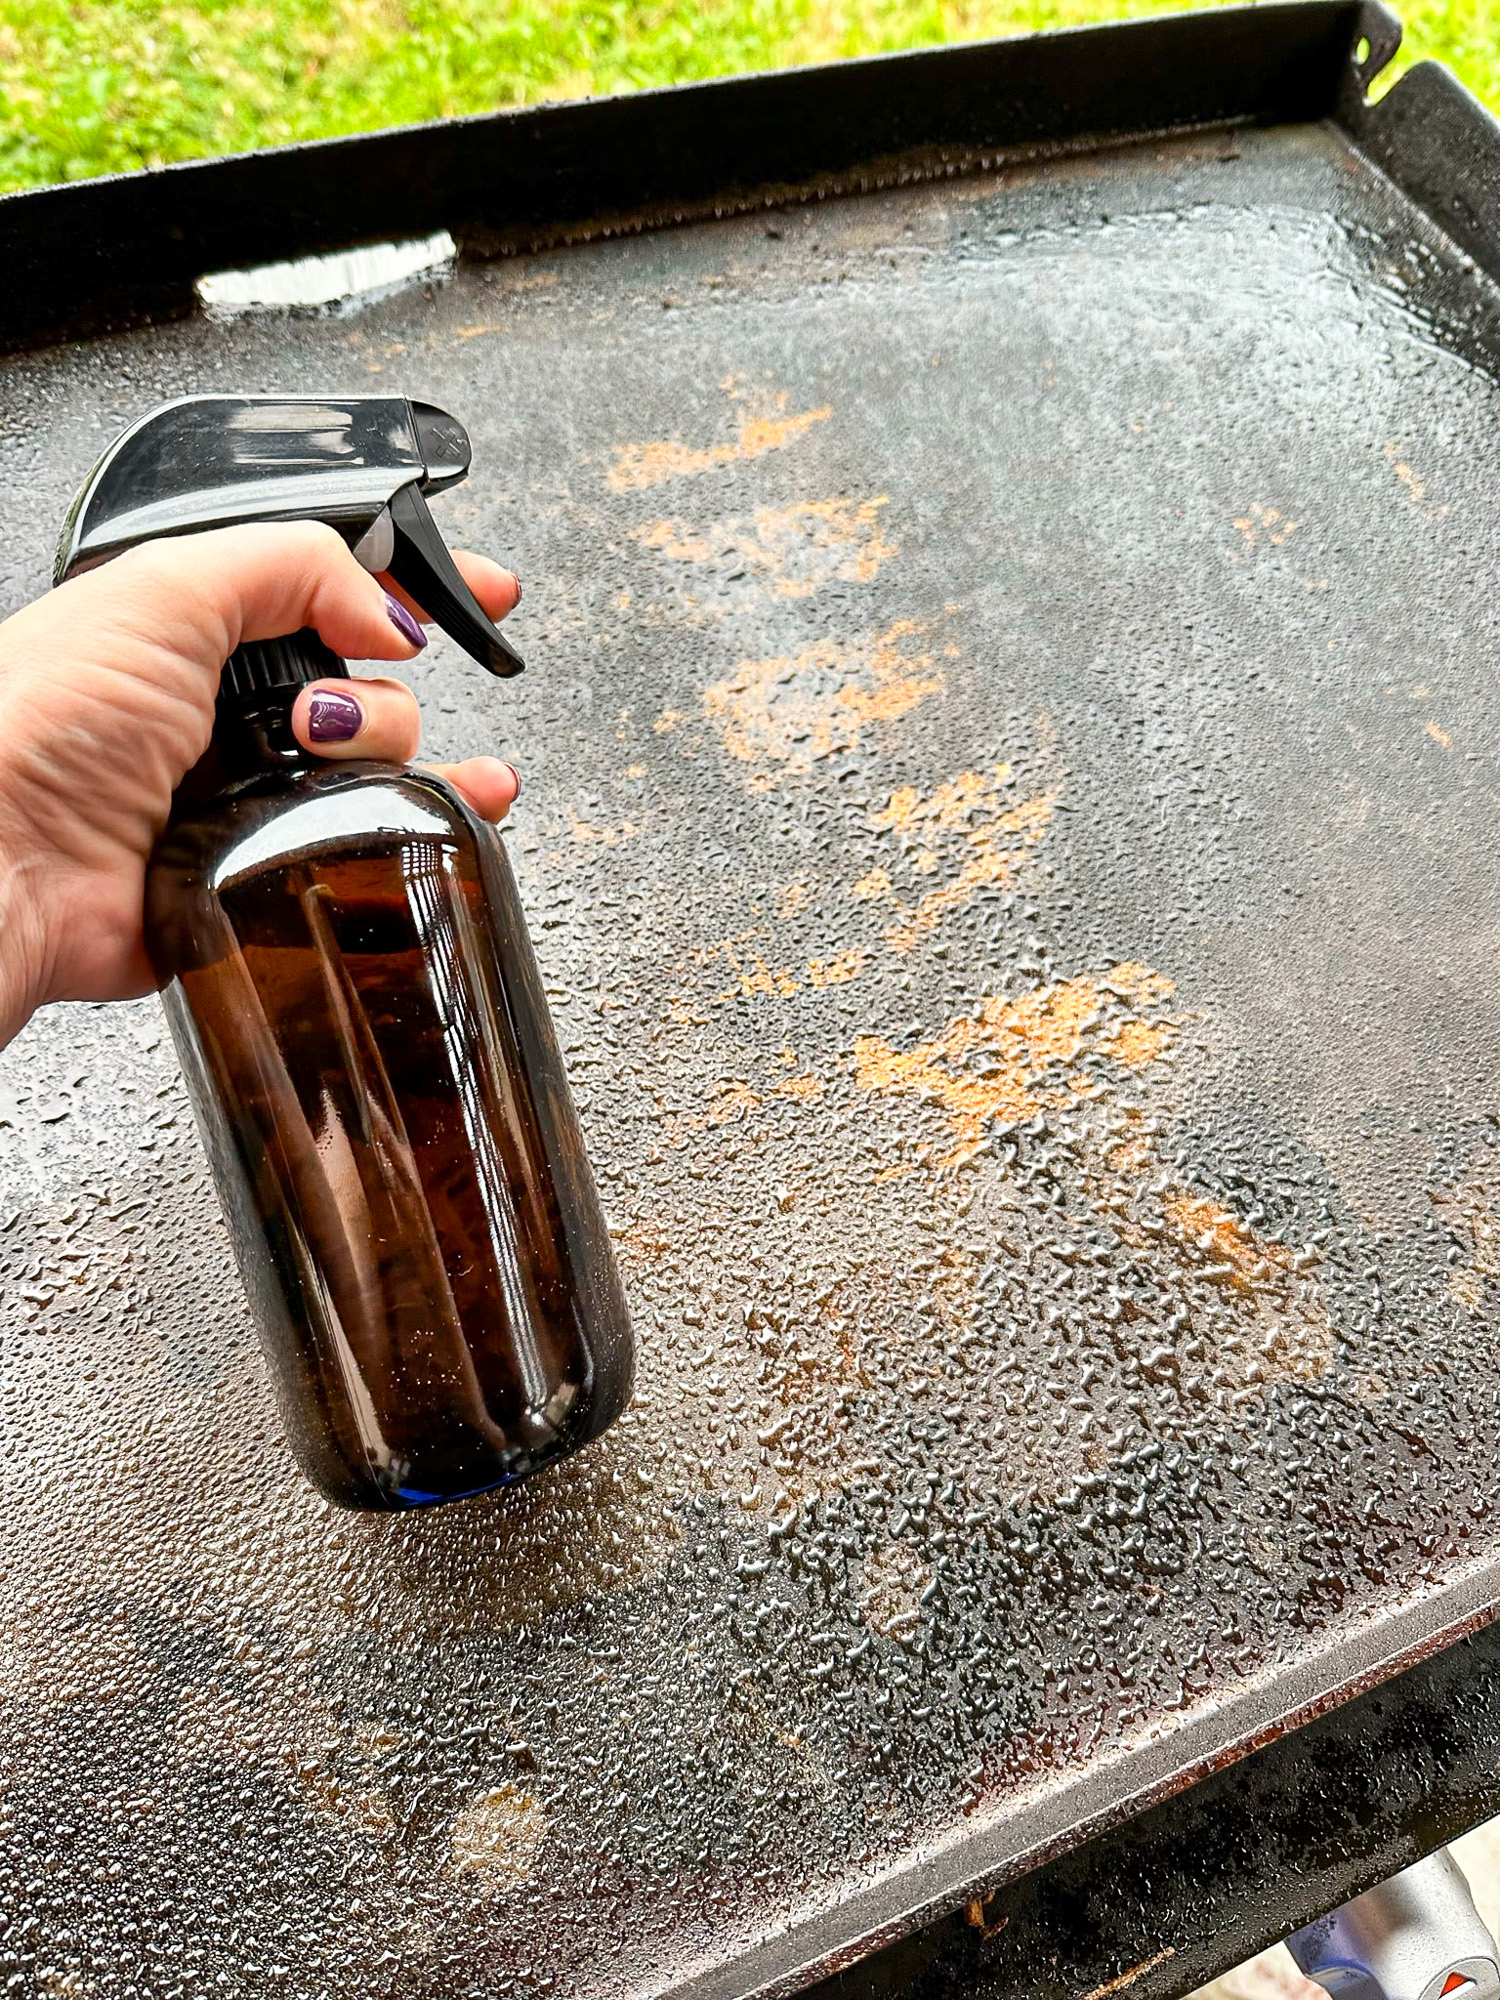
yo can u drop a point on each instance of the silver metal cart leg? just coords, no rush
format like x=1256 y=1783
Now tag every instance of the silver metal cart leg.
x=1416 y=1937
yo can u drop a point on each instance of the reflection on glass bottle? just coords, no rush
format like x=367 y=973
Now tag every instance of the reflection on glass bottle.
x=356 y=1004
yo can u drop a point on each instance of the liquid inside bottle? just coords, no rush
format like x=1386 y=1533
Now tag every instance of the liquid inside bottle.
x=356 y=1003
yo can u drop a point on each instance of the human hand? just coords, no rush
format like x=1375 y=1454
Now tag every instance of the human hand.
x=107 y=690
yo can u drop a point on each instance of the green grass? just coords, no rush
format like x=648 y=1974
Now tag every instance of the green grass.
x=102 y=86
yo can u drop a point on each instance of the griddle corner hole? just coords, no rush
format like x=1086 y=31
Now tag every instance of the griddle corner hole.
x=1376 y=41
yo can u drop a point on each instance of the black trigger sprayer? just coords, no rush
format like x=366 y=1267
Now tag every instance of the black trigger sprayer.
x=354 y=999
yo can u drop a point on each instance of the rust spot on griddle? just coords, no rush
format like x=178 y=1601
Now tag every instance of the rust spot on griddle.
x=977 y=1912
x=638 y=466
x=963 y=830
x=1134 y=1044
x=495 y=1839
x=892 y=1588
x=1247 y=1259
x=1416 y=486
x=1261 y=524
x=1129 y=1978
x=1281 y=1328
x=1470 y=1212
x=993 y=1068
x=795 y=710
x=991 y=864
x=602 y=836
x=795 y=549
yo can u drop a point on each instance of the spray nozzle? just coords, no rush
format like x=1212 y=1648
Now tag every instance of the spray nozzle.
x=362 y=464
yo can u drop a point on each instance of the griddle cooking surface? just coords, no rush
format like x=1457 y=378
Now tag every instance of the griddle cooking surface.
x=1009 y=827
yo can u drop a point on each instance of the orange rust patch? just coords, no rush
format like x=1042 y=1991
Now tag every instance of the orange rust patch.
x=1467 y=1287
x=683 y=1013
x=891 y=1586
x=794 y=710
x=1129 y=1156
x=1134 y=1044
x=758 y=980
x=738 y=1098
x=1112 y=1986
x=756 y=977
x=803 y=1085
x=950 y=808
x=868 y=887
x=638 y=466
x=987 y=867
x=1416 y=488
x=753 y=977
x=836 y=971
x=602 y=836
x=1031 y=1043
x=1284 y=1331
x=997 y=845
x=1471 y=1214
x=1265 y=524
x=795 y=549
x=1439 y=736
x=977 y=1913
x=1251 y=1259
x=496 y=1837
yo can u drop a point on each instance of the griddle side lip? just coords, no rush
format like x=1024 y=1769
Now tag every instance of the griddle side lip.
x=127 y=249
x=917 y=1896
x=1441 y=147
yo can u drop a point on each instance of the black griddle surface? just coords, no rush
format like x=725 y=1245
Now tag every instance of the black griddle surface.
x=1009 y=828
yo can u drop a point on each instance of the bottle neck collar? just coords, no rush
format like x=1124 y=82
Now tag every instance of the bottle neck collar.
x=262 y=664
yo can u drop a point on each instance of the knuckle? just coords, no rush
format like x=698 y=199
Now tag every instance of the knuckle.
x=322 y=547
x=149 y=561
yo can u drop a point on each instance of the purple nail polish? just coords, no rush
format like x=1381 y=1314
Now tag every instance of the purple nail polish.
x=333 y=718
x=404 y=623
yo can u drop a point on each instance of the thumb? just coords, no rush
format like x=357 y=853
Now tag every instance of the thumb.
x=266 y=579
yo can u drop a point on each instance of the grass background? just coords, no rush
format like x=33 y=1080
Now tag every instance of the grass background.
x=102 y=86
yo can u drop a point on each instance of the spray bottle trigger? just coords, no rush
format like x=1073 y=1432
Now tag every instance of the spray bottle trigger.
x=421 y=562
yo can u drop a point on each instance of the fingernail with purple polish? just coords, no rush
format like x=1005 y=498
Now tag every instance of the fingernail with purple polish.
x=517 y=776
x=333 y=718
x=404 y=623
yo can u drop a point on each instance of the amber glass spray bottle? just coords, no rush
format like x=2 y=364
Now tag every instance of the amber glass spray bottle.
x=356 y=1005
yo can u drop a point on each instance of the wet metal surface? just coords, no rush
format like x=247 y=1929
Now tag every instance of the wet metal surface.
x=1165 y=1900
x=1009 y=822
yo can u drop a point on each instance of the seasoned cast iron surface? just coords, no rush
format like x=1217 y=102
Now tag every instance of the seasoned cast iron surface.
x=1009 y=827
